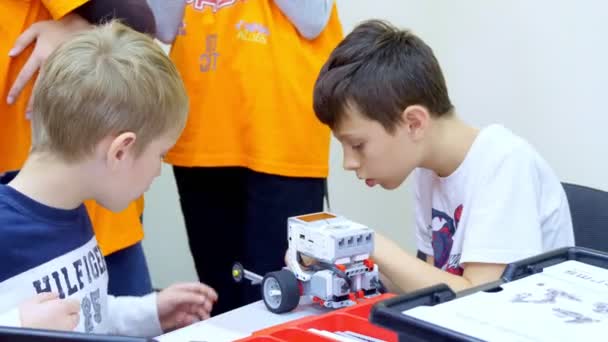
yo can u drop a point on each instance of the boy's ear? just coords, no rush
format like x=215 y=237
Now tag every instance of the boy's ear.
x=120 y=147
x=416 y=119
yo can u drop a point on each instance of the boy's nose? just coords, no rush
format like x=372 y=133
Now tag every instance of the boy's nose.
x=350 y=164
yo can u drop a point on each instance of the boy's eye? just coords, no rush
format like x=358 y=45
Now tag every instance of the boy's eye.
x=357 y=146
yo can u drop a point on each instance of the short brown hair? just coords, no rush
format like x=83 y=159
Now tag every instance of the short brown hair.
x=380 y=70
x=106 y=81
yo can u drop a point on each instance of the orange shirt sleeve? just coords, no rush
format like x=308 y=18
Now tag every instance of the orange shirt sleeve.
x=59 y=8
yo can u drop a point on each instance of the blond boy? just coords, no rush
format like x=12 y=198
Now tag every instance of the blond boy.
x=107 y=107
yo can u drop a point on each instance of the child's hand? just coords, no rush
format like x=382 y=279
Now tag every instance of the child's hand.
x=47 y=311
x=182 y=304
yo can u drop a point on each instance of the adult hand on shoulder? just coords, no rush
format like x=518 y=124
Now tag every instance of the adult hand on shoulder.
x=182 y=304
x=47 y=35
x=47 y=311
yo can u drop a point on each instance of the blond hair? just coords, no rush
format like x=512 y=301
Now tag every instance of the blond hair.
x=106 y=81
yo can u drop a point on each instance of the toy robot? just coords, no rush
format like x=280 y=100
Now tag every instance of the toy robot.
x=342 y=273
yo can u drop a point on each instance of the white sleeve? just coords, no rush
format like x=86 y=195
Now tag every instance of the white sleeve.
x=422 y=210
x=134 y=316
x=503 y=220
x=308 y=16
x=11 y=318
x=168 y=15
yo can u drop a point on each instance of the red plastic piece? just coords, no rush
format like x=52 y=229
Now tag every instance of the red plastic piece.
x=353 y=318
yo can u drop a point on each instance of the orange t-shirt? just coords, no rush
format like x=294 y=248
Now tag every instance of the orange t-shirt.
x=114 y=231
x=250 y=76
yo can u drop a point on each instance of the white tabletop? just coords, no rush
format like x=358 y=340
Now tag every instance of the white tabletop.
x=239 y=323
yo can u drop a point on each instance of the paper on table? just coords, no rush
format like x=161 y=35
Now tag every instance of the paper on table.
x=565 y=302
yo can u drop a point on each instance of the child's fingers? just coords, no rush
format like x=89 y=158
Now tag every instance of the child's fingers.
x=67 y=322
x=197 y=288
x=72 y=306
x=199 y=309
x=208 y=291
x=184 y=298
x=180 y=320
x=203 y=313
x=185 y=319
x=74 y=320
x=45 y=297
x=208 y=306
x=191 y=319
x=192 y=286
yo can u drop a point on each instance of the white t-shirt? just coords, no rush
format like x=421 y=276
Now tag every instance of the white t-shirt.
x=502 y=204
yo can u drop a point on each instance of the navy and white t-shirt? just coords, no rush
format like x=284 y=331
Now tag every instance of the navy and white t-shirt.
x=45 y=249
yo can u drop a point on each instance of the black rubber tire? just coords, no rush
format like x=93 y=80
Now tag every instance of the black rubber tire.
x=290 y=291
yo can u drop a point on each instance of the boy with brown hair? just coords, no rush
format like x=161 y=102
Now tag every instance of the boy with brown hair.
x=107 y=107
x=483 y=197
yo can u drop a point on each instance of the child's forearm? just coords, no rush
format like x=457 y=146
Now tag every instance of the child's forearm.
x=410 y=273
x=169 y=15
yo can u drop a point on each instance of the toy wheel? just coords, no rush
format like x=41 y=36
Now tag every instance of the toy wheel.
x=280 y=291
x=238 y=272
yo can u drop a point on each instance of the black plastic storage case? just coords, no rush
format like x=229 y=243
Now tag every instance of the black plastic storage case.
x=388 y=313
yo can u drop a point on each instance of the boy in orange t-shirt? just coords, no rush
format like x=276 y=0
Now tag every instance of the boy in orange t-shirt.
x=252 y=153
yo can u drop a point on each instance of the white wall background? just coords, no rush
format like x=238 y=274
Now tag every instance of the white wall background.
x=538 y=67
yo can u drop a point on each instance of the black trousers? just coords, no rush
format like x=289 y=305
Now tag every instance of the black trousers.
x=236 y=214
